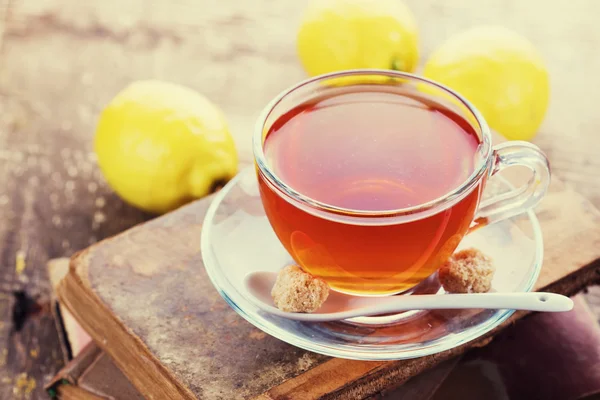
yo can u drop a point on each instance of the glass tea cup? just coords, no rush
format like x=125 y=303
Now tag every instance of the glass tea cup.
x=385 y=251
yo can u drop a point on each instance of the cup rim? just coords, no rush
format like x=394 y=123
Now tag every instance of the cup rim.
x=485 y=148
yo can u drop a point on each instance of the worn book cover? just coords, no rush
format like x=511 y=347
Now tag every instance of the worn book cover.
x=145 y=299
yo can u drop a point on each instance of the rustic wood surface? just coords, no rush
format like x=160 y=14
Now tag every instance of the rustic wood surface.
x=62 y=60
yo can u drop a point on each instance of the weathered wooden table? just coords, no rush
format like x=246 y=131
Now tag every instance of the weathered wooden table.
x=62 y=60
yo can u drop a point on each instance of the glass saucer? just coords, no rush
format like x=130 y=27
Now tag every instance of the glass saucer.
x=237 y=239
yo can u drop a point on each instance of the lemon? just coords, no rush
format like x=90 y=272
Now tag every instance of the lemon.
x=160 y=145
x=500 y=73
x=339 y=35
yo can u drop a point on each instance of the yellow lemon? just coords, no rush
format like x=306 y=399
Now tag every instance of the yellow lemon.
x=160 y=145
x=500 y=73
x=338 y=35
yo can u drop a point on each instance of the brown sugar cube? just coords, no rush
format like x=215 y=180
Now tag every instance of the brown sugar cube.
x=297 y=291
x=468 y=271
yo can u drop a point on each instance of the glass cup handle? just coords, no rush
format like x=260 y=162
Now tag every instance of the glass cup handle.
x=520 y=199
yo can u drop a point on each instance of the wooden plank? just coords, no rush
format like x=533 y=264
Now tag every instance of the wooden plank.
x=52 y=202
x=61 y=60
x=47 y=210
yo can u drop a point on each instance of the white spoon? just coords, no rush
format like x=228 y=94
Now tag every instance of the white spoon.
x=340 y=306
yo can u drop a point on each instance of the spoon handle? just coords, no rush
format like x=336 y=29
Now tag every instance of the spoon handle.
x=533 y=301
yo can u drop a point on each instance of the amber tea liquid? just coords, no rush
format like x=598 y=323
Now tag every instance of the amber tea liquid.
x=370 y=150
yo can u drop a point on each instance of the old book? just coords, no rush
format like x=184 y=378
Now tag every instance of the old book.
x=92 y=376
x=145 y=299
x=72 y=337
x=564 y=345
x=89 y=374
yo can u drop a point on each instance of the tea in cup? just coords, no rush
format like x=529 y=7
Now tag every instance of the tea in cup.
x=370 y=179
